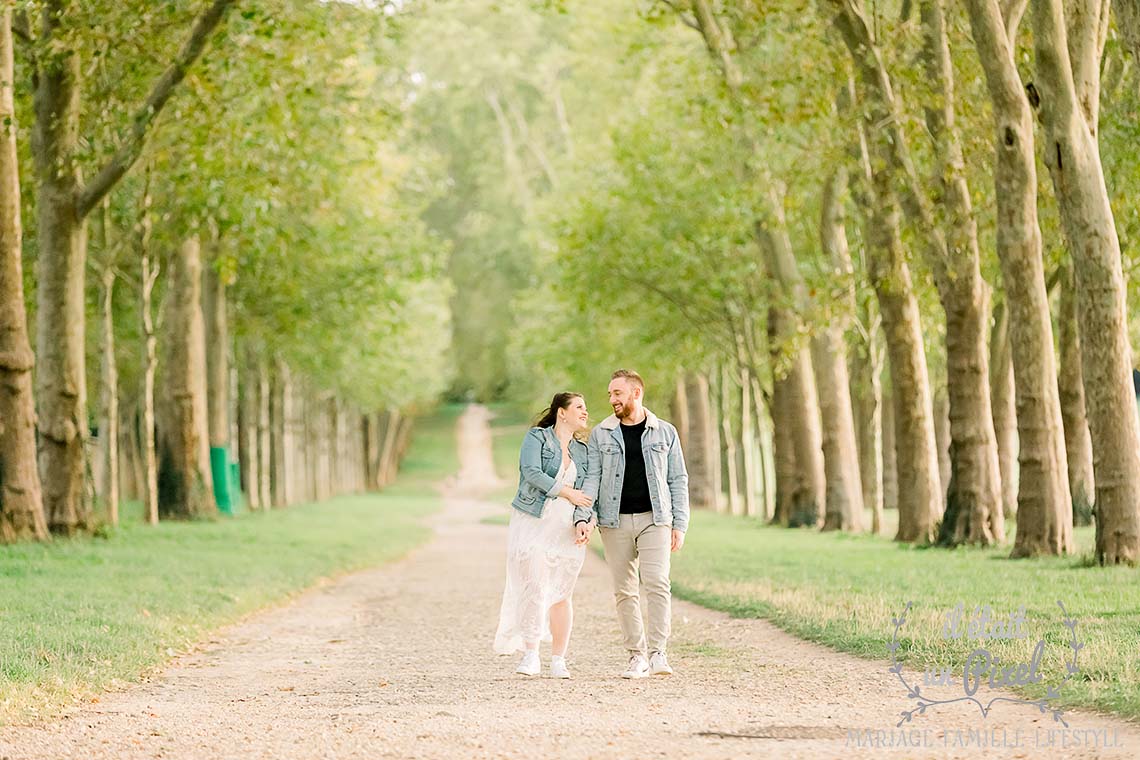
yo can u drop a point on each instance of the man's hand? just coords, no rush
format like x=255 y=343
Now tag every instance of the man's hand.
x=576 y=497
x=678 y=540
x=583 y=530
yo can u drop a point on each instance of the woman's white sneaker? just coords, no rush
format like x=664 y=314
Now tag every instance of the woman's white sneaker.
x=638 y=667
x=529 y=664
x=558 y=667
x=658 y=665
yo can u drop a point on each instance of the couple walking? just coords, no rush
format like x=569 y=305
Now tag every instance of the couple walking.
x=629 y=480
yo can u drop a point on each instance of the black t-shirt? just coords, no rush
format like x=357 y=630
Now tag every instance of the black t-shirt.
x=635 y=487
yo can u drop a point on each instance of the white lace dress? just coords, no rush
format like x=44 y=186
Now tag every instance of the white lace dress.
x=542 y=566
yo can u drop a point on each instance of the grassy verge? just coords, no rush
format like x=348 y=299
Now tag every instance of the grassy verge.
x=843 y=590
x=78 y=616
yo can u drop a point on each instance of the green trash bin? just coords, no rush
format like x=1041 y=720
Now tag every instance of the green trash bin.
x=223 y=485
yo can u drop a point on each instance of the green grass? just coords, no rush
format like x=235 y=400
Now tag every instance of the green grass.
x=843 y=590
x=78 y=616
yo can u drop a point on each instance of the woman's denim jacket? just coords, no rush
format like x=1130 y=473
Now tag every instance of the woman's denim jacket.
x=539 y=460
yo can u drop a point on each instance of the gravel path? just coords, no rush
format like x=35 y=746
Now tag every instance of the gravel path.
x=396 y=662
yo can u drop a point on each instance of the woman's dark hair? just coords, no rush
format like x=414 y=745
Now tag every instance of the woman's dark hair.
x=548 y=416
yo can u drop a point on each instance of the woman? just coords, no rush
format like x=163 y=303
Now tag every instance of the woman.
x=543 y=553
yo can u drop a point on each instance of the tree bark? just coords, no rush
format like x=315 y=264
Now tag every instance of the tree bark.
x=1068 y=71
x=867 y=397
x=1043 y=505
x=264 y=436
x=1078 y=443
x=248 y=438
x=150 y=363
x=751 y=462
x=1002 y=394
x=279 y=473
x=109 y=429
x=890 y=451
x=732 y=503
x=185 y=483
x=844 y=495
x=61 y=380
x=217 y=382
x=700 y=459
x=800 y=397
x=21 y=495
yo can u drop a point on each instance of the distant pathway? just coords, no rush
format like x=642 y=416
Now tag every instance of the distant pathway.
x=396 y=662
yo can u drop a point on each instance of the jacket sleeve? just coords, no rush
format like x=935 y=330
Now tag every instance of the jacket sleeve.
x=593 y=480
x=530 y=464
x=678 y=482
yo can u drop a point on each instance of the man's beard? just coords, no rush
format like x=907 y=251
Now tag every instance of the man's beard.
x=622 y=412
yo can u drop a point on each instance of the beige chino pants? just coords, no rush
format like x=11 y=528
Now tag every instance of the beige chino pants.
x=639 y=545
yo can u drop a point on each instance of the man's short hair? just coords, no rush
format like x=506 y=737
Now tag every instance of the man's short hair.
x=629 y=375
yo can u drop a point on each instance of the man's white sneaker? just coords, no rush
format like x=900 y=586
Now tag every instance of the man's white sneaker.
x=529 y=665
x=638 y=667
x=558 y=667
x=658 y=665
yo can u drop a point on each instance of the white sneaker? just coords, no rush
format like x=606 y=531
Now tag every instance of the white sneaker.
x=638 y=667
x=529 y=665
x=658 y=665
x=558 y=667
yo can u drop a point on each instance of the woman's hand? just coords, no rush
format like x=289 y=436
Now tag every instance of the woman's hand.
x=575 y=497
x=582 y=533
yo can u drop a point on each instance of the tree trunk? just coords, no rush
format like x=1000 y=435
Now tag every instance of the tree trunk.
x=185 y=487
x=920 y=497
x=1067 y=72
x=248 y=439
x=844 y=495
x=109 y=429
x=282 y=459
x=150 y=363
x=890 y=451
x=1043 y=505
x=973 y=494
x=131 y=477
x=733 y=504
x=21 y=496
x=866 y=368
x=700 y=459
x=264 y=437
x=942 y=434
x=61 y=379
x=800 y=398
x=766 y=455
x=1078 y=444
x=783 y=444
x=1002 y=394
x=751 y=462
x=217 y=383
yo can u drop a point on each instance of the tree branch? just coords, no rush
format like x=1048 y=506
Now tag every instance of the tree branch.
x=1011 y=14
x=163 y=88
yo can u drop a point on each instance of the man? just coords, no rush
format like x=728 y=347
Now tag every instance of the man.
x=635 y=474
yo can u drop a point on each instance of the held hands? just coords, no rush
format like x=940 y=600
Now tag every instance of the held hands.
x=582 y=533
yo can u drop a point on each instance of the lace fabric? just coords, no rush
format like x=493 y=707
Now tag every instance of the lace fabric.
x=543 y=563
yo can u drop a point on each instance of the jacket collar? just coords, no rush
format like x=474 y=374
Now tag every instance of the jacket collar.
x=612 y=422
